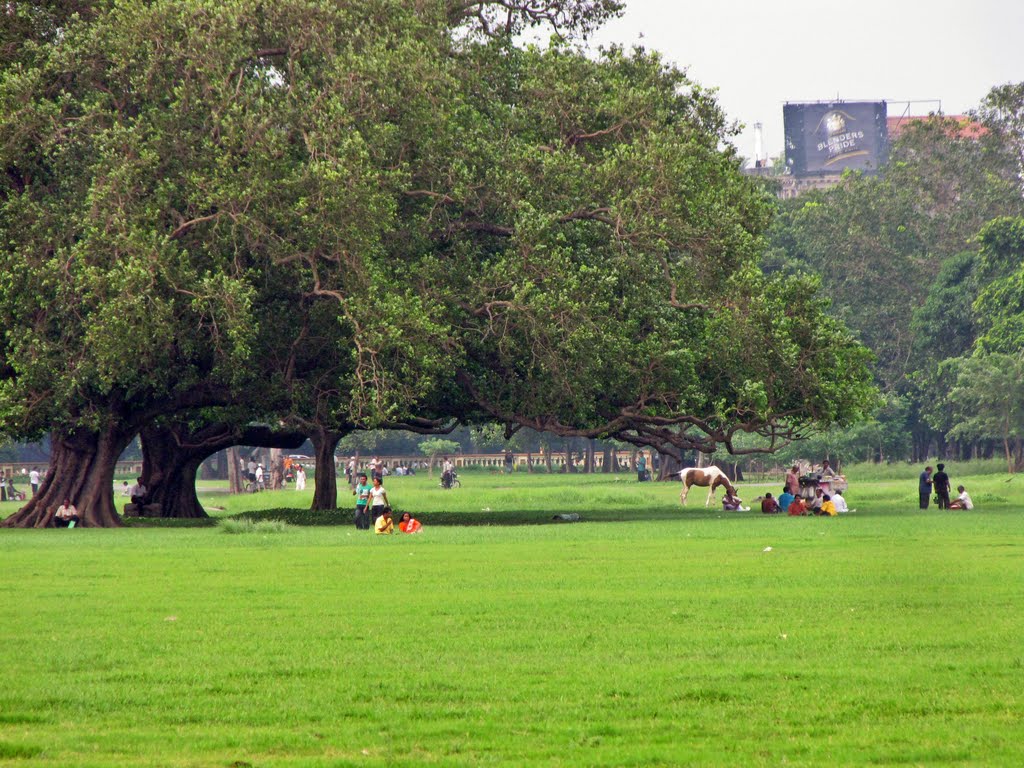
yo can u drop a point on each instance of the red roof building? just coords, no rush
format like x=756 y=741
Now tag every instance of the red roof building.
x=960 y=126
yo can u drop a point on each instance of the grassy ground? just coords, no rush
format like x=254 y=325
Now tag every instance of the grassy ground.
x=887 y=637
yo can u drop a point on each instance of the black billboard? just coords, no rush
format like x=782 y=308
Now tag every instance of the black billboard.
x=829 y=137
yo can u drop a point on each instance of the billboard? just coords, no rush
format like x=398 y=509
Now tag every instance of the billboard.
x=829 y=137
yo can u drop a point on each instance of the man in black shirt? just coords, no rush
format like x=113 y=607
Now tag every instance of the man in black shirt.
x=940 y=482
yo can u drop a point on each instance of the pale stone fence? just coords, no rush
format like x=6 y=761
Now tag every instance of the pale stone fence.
x=20 y=469
x=495 y=461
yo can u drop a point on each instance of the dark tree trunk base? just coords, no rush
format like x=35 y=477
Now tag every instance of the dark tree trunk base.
x=325 y=494
x=82 y=471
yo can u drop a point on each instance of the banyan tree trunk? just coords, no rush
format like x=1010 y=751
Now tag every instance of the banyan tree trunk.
x=276 y=469
x=172 y=455
x=234 y=471
x=169 y=472
x=325 y=493
x=81 y=470
x=670 y=467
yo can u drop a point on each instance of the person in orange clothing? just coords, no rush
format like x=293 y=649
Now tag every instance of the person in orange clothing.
x=797 y=507
x=410 y=524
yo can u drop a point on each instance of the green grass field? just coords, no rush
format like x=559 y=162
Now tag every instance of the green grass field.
x=651 y=636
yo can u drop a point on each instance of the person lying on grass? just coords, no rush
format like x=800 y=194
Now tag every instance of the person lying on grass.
x=384 y=525
x=732 y=503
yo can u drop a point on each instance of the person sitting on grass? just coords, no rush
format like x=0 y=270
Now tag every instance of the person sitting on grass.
x=384 y=525
x=963 y=501
x=769 y=506
x=815 y=504
x=410 y=524
x=138 y=494
x=785 y=499
x=797 y=507
x=67 y=515
x=828 y=508
x=840 y=502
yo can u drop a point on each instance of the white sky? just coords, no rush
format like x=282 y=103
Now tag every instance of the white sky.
x=760 y=54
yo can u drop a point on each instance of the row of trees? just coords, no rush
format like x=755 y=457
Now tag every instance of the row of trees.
x=304 y=217
x=924 y=262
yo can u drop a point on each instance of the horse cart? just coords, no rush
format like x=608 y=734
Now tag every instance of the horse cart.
x=829 y=484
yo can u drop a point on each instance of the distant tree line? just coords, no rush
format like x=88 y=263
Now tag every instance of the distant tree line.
x=925 y=263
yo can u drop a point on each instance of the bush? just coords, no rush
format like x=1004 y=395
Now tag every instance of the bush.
x=247 y=525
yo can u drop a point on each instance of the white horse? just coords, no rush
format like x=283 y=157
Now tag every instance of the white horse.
x=708 y=477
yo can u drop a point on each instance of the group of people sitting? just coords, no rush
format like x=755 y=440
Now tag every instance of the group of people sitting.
x=828 y=505
x=821 y=504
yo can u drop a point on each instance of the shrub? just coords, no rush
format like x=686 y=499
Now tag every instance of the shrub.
x=247 y=525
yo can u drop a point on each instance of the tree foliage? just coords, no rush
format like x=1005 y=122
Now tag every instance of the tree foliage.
x=380 y=213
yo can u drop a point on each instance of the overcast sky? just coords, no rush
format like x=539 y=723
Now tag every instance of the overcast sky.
x=762 y=54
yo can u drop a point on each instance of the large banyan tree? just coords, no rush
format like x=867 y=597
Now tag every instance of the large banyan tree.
x=333 y=214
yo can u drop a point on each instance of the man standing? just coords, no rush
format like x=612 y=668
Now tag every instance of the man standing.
x=641 y=467
x=793 y=480
x=446 y=473
x=924 y=487
x=33 y=480
x=362 y=494
x=940 y=482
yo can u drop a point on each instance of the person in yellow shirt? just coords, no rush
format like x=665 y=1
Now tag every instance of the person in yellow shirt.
x=385 y=525
x=828 y=507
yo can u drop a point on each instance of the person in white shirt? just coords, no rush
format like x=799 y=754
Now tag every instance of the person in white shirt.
x=446 y=473
x=840 y=502
x=67 y=515
x=300 y=478
x=33 y=480
x=963 y=501
x=378 y=500
x=259 y=476
x=138 y=494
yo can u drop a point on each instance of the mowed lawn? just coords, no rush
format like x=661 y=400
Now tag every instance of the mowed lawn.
x=886 y=637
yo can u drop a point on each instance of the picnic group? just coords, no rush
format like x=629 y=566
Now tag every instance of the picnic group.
x=828 y=500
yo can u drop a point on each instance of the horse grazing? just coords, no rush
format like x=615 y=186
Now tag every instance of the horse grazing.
x=709 y=477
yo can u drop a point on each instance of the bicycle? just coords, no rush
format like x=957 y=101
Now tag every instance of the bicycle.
x=453 y=482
